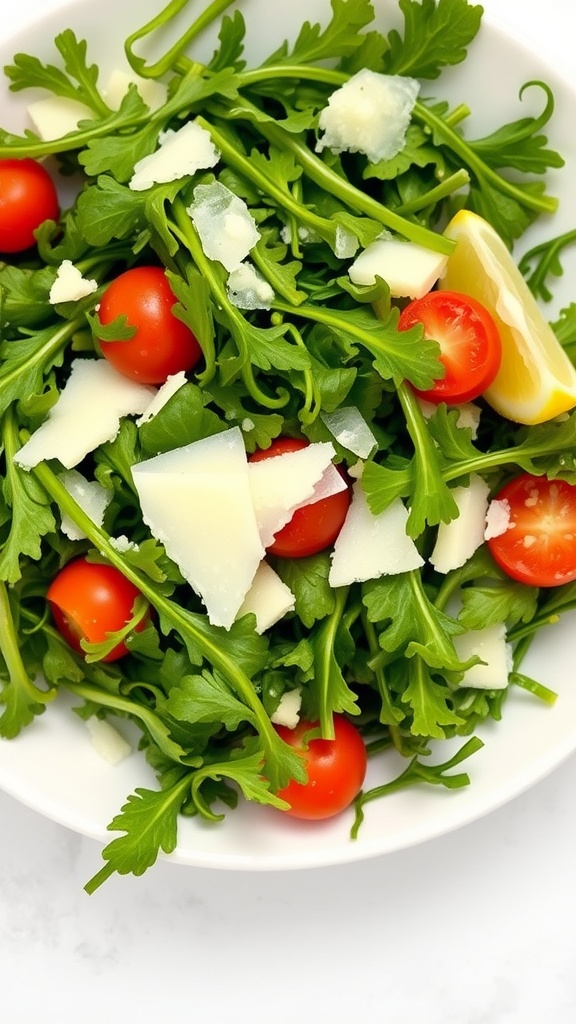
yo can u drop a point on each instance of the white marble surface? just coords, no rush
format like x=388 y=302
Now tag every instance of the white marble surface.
x=477 y=927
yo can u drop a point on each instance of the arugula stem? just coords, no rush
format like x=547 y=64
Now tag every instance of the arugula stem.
x=440 y=127
x=323 y=657
x=445 y=188
x=417 y=772
x=335 y=185
x=171 y=59
x=325 y=228
x=387 y=716
x=25 y=692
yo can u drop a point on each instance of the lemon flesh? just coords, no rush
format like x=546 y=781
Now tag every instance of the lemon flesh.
x=536 y=380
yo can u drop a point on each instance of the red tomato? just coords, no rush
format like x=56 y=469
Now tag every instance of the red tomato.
x=28 y=197
x=470 y=346
x=312 y=527
x=336 y=770
x=163 y=344
x=539 y=545
x=89 y=600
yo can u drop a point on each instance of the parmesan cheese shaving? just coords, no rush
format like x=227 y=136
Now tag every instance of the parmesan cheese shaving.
x=70 y=285
x=226 y=228
x=87 y=413
x=180 y=153
x=369 y=114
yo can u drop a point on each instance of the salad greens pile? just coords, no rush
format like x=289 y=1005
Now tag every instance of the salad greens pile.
x=381 y=651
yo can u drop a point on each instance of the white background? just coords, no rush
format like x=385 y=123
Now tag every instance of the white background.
x=478 y=927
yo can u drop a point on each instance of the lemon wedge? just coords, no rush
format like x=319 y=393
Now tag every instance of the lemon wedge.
x=536 y=380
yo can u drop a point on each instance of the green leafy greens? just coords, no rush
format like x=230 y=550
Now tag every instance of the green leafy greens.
x=383 y=651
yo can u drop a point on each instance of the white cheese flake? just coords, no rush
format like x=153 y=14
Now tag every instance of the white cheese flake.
x=349 y=428
x=247 y=289
x=269 y=599
x=180 y=153
x=288 y=711
x=87 y=413
x=497 y=518
x=92 y=498
x=197 y=501
x=457 y=540
x=370 y=546
x=369 y=114
x=410 y=270
x=168 y=389
x=490 y=645
x=153 y=92
x=226 y=228
x=56 y=116
x=107 y=740
x=69 y=284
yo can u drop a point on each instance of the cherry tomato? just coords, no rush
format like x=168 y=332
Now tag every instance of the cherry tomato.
x=470 y=346
x=312 y=528
x=163 y=344
x=28 y=197
x=538 y=547
x=336 y=770
x=88 y=600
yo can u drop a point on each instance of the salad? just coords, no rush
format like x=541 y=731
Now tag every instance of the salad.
x=288 y=470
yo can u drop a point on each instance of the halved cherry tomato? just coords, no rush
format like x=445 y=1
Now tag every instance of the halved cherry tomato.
x=163 y=344
x=538 y=546
x=28 y=197
x=88 y=600
x=470 y=346
x=312 y=528
x=336 y=769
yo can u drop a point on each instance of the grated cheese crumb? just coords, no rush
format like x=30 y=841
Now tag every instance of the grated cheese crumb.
x=288 y=711
x=69 y=285
x=497 y=518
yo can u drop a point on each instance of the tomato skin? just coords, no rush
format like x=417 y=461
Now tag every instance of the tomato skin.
x=89 y=600
x=539 y=546
x=470 y=345
x=28 y=197
x=312 y=528
x=163 y=344
x=336 y=770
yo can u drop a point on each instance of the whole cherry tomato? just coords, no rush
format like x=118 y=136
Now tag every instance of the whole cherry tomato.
x=28 y=197
x=162 y=344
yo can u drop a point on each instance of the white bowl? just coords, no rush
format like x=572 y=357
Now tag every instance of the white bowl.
x=52 y=766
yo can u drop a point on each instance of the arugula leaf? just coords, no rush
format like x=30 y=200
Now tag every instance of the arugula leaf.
x=22 y=699
x=24 y=296
x=410 y=622
x=244 y=767
x=543 y=260
x=207 y=698
x=431 y=701
x=78 y=81
x=340 y=37
x=149 y=820
x=31 y=515
x=436 y=34
x=307 y=578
